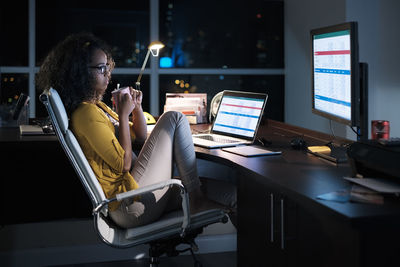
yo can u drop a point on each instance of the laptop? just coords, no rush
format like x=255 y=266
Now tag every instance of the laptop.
x=236 y=122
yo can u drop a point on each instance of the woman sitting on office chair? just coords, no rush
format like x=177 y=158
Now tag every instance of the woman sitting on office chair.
x=79 y=68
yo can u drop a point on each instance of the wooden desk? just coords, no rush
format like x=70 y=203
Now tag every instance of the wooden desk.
x=282 y=223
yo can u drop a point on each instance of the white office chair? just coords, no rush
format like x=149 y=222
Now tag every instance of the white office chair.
x=164 y=235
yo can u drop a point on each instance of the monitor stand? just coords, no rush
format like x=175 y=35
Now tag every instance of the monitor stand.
x=338 y=154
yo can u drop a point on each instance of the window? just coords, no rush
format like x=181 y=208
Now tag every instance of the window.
x=213 y=45
x=12 y=85
x=124 y=25
x=14 y=33
x=222 y=34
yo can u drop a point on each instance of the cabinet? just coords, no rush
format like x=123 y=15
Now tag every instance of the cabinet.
x=267 y=225
x=276 y=230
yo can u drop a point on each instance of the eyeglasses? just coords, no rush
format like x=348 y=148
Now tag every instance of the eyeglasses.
x=103 y=69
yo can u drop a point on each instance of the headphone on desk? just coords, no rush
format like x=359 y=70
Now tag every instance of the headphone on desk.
x=214 y=106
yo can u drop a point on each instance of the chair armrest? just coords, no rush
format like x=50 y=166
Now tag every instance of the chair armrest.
x=150 y=188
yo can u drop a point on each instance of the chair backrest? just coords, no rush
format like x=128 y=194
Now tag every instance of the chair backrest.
x=59 y=118
x=109 y=233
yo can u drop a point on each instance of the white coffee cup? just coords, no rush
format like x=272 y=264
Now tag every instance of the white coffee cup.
x=117 y=92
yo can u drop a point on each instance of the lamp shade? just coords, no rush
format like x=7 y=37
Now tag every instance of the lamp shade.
x=155 y=47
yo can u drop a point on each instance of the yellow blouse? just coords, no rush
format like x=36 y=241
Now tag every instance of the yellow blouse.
x=96 y=136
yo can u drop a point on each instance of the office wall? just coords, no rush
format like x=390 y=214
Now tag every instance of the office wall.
x=378 y=41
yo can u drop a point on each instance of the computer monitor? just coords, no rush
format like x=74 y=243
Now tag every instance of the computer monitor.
x=339 y=81
x=336 y=91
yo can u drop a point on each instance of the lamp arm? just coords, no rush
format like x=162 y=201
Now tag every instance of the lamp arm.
x=143 y=66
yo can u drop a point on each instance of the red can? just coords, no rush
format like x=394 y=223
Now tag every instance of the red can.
x=380 y=129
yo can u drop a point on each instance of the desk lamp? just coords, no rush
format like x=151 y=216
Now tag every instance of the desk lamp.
x=154 y=48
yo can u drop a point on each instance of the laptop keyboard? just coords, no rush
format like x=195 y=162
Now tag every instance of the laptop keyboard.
x=216 y=139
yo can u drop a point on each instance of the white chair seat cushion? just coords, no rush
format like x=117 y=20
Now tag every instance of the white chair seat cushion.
x=172 y=222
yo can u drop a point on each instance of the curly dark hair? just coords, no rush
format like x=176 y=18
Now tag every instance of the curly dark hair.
x=66 y=69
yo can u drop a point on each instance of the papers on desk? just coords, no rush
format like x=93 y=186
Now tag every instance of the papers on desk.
x=30 y=129
x=364 y=190
x=380 y=185
x=365 y=195
x=194 y=106
x=357 y=193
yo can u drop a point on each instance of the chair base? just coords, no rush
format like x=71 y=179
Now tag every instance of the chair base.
x=169 y=247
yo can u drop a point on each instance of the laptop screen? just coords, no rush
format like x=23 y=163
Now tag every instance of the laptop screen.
x=239 y=114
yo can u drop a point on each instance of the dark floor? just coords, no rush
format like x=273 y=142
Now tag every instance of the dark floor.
x=226 y=259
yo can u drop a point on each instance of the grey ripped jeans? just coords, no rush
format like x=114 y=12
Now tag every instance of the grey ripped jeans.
x=169 y=143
